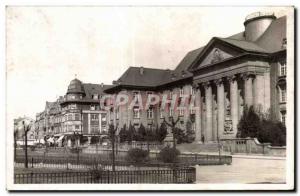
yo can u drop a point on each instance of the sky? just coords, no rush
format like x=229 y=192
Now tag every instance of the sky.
x=47 y=46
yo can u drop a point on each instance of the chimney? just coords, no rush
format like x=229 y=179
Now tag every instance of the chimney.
x=141 y=70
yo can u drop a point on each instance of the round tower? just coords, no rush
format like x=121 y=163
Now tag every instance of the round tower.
x=256 y=24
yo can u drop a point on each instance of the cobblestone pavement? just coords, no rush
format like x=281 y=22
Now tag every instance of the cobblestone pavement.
x=244 y=170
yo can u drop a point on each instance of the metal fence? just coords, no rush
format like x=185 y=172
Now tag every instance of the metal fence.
x=181 y=175
x=86 y=158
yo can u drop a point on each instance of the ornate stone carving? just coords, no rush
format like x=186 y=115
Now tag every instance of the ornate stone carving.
x=232 y=78
x=218 y=81
x=217 y=56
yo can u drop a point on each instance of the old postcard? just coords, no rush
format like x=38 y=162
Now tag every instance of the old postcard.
x=149 y=98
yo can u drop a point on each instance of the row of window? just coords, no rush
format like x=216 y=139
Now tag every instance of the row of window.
x=150 y=112
x=181 y=93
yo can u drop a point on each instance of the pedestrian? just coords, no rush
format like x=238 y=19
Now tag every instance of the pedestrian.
x=202 y=138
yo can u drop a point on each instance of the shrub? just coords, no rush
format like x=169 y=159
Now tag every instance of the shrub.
x=162 y=132
x=190 y=134
x=179 y=135
x=75 y=150
x=137 y=155
x=123 y=134
x=168 y=155
x=261 y=127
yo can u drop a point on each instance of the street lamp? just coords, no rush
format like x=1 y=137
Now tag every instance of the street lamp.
x=26 y=126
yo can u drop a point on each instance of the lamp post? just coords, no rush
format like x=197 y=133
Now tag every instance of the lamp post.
x=26 y=127
x=15 y=144
x=112 y=134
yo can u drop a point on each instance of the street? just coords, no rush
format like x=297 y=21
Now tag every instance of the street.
x=244 y=170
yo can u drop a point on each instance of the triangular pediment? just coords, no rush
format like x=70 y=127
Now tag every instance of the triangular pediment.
x=215 y=55
x=216 y=51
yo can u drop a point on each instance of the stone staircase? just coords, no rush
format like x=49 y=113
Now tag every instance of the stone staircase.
x=198 y=147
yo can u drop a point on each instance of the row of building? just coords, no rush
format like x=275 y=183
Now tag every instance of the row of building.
x=220 y=78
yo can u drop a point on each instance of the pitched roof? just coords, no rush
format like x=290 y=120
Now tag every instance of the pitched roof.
x=149 y=78
x=245 y=45
x=91 y=89
x=272 y=38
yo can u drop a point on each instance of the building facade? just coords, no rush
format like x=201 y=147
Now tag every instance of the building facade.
x=223 y=77
x=209 y=88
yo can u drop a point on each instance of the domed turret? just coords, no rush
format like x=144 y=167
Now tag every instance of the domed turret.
x=75 y=87
x=256 y=24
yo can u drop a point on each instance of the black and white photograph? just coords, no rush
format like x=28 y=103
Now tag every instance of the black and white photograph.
x=149 y=97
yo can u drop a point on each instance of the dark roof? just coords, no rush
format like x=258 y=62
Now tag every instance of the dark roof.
x=149 y=78
x=272 y=38
x=75 y=86
x=269 y=42
x=245 y=45
x=91 y=89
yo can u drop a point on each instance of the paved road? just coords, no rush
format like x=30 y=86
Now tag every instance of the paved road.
x=244 y=170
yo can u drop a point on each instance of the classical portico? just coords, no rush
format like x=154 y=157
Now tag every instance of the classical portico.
x=226 y=122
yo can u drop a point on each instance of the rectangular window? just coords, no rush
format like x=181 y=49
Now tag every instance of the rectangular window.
x=135 y=96
x=117 y=112
x=161 y=114
x=283 y=68
x=181 y=112
x=95 y=96
x=70 y=117
x=193 y=126
x=72 y=106
x=170 y=112
x=94 y=129
x=283 y=95
x=150 y=113
x=77 y=116
x=171 y=95
x=192 y=111
x=93 y=107
x=136 y=113
x=283 y=117
x=181 y=92
x=192 y=90
x=77 y=127
x=94 y=117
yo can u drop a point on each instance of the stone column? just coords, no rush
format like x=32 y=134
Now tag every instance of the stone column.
x=248 y=79
x=100 y=123
x=221 y=106
x=89 y=123
x=209 y=114
x=198 y=114
x=259 y=92
x=234 y=103
x=69 y=142
x=89 y=139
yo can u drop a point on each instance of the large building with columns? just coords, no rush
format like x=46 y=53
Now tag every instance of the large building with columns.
x=225 y=76
x=216 y=82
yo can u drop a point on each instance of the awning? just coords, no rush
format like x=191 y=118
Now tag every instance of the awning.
x=60 y=138
x=51 y=140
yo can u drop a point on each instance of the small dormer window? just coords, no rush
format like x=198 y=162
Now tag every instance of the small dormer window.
x=95 y=96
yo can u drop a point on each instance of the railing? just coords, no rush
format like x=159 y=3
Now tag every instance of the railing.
x=181 y=175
